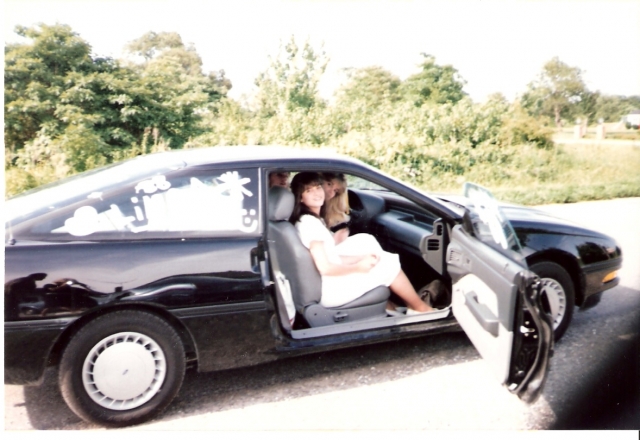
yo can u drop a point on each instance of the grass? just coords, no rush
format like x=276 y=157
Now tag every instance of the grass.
x=564 y=174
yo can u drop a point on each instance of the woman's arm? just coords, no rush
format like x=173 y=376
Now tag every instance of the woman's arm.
x=352 y=259
x=360 y=264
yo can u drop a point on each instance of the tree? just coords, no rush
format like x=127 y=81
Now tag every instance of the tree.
x=558 y=92
x=433 y=84
x=152 y=44
x=62 y=105
x=157 y=47
x=611 y=108
x=34 y=78
x=367 y=92
x=168 y=48
x=370 y=87
x=291 y=80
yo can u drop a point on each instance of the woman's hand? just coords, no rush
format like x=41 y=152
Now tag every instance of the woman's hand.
x=351 y=264
x=367 y=263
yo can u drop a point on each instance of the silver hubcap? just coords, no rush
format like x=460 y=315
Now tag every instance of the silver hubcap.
x=557 y=300
x=124 y=371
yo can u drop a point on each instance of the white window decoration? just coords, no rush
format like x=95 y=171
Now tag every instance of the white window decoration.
x=204 y=204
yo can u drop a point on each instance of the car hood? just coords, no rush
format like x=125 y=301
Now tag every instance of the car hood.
x=525 y=218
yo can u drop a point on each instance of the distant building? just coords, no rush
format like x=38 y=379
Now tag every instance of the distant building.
x=632 y=120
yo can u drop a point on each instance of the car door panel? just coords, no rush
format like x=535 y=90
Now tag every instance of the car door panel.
x=489 y=294
x=475 y=307
x=171 y=273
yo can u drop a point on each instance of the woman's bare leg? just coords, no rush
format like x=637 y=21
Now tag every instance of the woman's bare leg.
x=402 y=287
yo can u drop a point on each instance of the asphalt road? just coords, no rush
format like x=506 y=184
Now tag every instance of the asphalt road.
x=434 y=383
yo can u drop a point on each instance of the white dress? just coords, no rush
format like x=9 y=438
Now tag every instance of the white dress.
x=342 y=289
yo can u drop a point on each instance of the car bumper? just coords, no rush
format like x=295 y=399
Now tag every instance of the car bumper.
x=601 y=276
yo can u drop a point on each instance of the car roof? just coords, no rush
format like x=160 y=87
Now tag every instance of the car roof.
x=241 y=153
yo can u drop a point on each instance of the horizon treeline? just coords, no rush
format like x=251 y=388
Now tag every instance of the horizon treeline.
x=67 y=111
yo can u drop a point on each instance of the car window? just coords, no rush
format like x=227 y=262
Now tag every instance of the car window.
x=75 y=188
x=356 y=182
x=184 y=203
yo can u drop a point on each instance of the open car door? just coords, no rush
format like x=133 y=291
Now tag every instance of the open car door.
x=496 y=299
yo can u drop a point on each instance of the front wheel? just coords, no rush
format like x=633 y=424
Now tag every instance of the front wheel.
x=122 y=368
x=558 y=295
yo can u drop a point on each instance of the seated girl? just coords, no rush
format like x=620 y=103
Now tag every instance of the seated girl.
x=336 y=201
x=355 y=265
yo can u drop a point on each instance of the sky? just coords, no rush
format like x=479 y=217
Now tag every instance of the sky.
x=496 y=45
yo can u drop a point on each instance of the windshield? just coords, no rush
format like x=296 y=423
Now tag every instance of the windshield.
x=489 y=223
x=356 y=182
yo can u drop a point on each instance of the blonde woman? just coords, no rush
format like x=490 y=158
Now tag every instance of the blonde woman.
x=336 y=201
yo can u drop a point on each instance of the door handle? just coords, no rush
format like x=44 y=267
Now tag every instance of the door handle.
x=255 y=261
x=483 y=315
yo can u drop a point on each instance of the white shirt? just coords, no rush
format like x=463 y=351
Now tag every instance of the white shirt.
x=342 y=289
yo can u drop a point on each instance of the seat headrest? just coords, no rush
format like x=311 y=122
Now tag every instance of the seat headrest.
x=280 y=204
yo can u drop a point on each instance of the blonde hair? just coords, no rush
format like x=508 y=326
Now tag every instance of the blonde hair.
x=337 y=208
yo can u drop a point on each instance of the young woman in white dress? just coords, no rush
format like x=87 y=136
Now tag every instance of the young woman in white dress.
x=354 y=265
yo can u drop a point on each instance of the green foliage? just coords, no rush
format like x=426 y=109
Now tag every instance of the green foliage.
x=40 y=161
x=434 y=84
x=373 y=120
x=229 y=124
x=92 y=111
x=152 y=44
x=35 y=76
x=559 y=93
x=67 y=112
x=291 y=80
x=443 y=143
x=611 y=108
x=520 y=128
x=368 y=88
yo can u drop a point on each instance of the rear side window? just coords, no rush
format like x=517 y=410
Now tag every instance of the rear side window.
x=183 y=203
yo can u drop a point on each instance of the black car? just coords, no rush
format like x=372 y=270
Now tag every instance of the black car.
x=123 y=277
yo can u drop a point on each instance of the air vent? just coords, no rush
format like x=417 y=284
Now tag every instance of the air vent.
x=433 y=245
x=455 y=257
x=439 y=230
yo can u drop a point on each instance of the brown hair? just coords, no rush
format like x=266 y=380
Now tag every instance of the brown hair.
x=299 y=184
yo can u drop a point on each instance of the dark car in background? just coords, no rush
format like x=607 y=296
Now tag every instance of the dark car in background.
x=576 y=264
x=125 y=276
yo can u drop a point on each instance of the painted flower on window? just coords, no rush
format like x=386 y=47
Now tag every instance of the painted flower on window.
x=234 y=185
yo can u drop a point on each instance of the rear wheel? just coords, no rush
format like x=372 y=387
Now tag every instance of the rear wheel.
x=558 y=295
x=122 y=368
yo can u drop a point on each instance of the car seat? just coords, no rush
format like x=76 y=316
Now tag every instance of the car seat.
x=291 y=258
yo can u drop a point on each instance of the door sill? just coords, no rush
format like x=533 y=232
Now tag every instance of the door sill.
x=370 y=324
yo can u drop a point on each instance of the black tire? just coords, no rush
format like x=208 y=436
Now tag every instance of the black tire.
x=138 y=344
x=558 y=294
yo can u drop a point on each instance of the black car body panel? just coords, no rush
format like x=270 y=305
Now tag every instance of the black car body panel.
x=76 y=277
x=27 y=348
x=213 y=277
